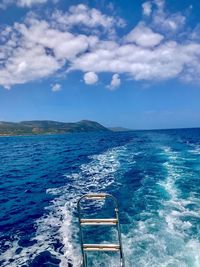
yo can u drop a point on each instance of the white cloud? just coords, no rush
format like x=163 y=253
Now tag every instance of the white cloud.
x=115 y=82
x=144 y=36
x=168 y=23
x=90 y=77
x=56 y=87
x=40 y=32
x=21 y=3
x=160 y=4
x=32 y=51
x=38 y=48
x=195 y=34
x=166 y=61
x=27 y=63
x=147 y=8
x=171 y=23
x=83 y=16
x=29 y=3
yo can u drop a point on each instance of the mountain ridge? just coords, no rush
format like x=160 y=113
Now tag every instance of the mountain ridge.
x=35 y=127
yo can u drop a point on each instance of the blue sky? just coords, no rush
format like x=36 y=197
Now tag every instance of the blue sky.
x=122 y=63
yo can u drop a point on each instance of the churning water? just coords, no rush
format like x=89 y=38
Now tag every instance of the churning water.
x=155 y=176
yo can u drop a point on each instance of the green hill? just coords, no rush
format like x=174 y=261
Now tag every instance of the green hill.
x=48 y=127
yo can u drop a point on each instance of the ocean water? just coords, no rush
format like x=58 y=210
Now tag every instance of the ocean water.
x=155 y=176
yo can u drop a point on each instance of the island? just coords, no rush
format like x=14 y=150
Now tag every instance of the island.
x=49 y=127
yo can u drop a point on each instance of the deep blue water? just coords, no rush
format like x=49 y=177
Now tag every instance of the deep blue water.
x=155 y=176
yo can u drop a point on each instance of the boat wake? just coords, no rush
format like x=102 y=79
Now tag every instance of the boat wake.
x=164 y=233
x=57 y=229
x=158 y=189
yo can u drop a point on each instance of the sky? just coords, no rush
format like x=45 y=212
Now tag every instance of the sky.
x=129 y=63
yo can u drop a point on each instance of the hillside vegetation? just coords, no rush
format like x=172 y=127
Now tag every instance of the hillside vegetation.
x=48 y=127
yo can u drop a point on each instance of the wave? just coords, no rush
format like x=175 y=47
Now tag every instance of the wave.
x=163 y=234
x=162 y=215
x=58 y=225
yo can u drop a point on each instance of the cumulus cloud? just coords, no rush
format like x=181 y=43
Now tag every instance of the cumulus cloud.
x=40 y=32
x=88 y=21
x=147 y=8
x=27 y=63
x=82 y=15
x=166 y=61
x=144 y=36
x=195 y=34
x=115 y=82
x=31 y=51
x=56 y=87
x=29 y=3
x=21 y=3
x=168 y=23
x=38 y=48
x=90 y=77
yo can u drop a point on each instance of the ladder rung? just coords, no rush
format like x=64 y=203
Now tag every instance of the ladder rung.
x=101 y=247
x=95 y=196
x=99 y=221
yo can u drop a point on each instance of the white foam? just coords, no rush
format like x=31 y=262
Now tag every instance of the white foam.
x=165 y=239
x=176 y=209
x=59 y=223
x=195 y=149
x=160 y=238
x=176 y=204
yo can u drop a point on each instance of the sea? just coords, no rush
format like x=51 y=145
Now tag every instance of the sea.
x=155 y=176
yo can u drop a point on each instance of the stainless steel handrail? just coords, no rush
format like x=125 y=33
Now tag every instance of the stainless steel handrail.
x=100 y=247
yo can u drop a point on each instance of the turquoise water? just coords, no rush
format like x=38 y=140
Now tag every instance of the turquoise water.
x=154 y=174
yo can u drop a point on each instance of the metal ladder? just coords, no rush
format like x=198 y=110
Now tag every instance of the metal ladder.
x=91 y=222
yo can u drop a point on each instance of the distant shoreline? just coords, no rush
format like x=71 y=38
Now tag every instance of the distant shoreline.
x=86 y=132
x=13 y=135
x=43 y=134
x=46 y=127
